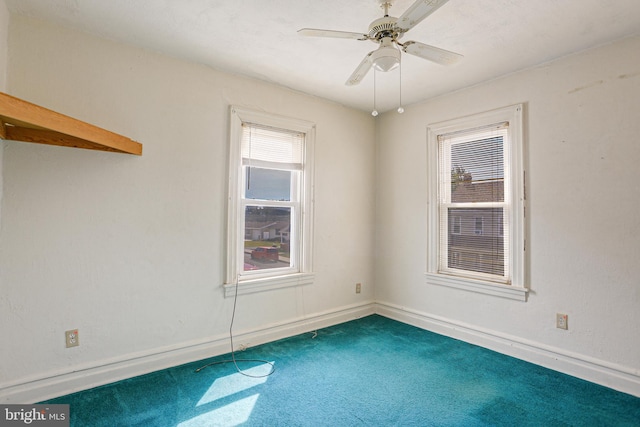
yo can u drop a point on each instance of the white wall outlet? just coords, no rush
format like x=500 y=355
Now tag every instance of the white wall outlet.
x=358 y=288
x=72 y=338
x=562 y=321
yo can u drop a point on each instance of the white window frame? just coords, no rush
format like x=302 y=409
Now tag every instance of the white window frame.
x=517 y=288
x=301 y=270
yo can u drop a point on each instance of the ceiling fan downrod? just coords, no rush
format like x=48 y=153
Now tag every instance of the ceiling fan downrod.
x=386 y=5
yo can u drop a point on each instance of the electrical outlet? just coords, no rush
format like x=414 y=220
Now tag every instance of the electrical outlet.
x=562 y=321
x=71 y=338
x=358 y=288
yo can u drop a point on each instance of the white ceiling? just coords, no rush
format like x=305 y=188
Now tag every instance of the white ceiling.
x=258 y=38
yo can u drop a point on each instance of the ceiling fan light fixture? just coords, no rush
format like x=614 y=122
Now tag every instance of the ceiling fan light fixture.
x=387 y=57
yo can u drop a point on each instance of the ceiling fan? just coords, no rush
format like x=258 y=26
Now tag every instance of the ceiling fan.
x=386 y=31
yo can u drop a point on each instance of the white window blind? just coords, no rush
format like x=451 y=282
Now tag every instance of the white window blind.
x=267 y=147
x=474 y=203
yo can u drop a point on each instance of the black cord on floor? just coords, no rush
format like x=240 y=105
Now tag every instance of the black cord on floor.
x=233 y=354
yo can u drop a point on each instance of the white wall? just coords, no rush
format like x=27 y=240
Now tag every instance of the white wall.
x=581 y=134
x=129 y=249
x=4 y=56
x=4 y=36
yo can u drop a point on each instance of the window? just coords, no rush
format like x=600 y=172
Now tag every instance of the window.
x=456 y=224
x=479 y=225
x=476 y=203
x=270 y=212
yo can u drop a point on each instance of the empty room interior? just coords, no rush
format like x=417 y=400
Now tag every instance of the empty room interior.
x=185 y=180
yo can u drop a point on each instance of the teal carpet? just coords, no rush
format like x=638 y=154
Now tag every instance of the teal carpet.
x=368 y=372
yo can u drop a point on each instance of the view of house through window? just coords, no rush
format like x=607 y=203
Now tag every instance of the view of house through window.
x=267 y=237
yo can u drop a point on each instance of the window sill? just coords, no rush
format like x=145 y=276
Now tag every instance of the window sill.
x=268 y=283
x=477 y=286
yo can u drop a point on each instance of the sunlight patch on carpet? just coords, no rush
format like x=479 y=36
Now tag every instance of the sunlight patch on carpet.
x=235 y=383
x=233 y=414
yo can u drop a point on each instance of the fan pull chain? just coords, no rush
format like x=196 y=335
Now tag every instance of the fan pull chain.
x=374 y=113
x=400 y=108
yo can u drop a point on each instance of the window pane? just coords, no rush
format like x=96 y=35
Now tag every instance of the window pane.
x=267 y=237
x=268 y=184
x=478 y=244
x=477 y=171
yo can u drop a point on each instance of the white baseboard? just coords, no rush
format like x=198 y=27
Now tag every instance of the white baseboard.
x=37 y=389
x=608 y=374
x=53 y=384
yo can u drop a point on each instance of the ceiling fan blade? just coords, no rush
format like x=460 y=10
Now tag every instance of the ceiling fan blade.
x=313 y=32
x=362 y=70
x=431 y=53
x=417 y=12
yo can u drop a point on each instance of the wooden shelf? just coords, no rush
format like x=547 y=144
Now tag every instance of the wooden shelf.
x=22 y=121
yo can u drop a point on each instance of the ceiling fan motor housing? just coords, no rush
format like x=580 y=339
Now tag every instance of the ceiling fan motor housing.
x=384 y=27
